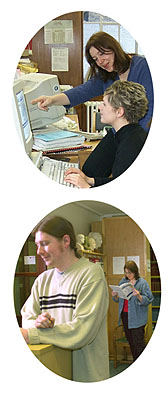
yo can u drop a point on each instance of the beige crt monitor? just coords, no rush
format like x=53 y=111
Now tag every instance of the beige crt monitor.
x=35 y=85
x=22 y=121
x=21 y=117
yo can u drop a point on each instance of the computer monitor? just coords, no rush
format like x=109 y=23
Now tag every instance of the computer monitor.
x=35 y=85
x=21 y=116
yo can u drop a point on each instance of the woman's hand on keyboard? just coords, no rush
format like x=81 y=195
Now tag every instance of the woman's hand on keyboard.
x=78 y=178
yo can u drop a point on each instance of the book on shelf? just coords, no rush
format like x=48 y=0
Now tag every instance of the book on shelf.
x=156 y=284
x=124 y=291
x=154 y=269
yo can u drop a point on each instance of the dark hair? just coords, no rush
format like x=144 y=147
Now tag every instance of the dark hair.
x=132 y=266
x=103 y=41
x=58 y=227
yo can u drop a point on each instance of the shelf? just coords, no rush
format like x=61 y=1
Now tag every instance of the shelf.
x=26 y=273
x=156 y=288
x=93 y=253
x=155 y=276
x=156 y=291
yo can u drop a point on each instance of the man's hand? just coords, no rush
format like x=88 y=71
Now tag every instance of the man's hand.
x=25 y=334
x=44 y=321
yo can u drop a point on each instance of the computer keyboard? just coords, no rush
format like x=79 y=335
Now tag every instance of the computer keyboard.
x=55 y=170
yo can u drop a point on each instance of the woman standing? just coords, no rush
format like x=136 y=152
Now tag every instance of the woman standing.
x=134 y=312
x=108 y=62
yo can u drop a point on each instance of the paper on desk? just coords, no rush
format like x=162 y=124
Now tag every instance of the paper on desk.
x=57 y=135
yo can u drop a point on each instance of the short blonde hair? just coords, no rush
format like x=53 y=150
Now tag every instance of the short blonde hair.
x=129 y=95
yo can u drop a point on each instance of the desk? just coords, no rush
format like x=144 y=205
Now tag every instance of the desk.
x=78 y=156
x=58 y=360
x=82 y=155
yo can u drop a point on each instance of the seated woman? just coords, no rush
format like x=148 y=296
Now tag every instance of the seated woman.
x=124 y=104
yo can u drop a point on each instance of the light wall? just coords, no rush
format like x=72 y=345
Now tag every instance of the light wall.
x=80 y=218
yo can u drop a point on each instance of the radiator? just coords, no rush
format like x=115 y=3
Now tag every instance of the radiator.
x=92 y=108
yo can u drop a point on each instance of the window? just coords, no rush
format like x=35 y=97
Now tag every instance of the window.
x=93 y=22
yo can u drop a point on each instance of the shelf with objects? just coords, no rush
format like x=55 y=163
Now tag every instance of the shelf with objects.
x=155 y=287
x=95 y=257
x=91 y=247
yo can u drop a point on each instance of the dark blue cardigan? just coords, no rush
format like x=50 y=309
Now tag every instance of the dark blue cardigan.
x=139 y=73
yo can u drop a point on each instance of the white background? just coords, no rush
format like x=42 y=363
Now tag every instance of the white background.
x=27 y=196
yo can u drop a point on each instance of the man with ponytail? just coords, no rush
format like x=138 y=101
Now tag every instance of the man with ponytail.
x=68 y=302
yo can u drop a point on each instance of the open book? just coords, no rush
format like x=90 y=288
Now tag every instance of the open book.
x=124 y=291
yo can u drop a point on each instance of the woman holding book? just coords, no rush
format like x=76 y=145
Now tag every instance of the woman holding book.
x=134 y=312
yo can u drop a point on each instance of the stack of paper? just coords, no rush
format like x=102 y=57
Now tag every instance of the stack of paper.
x=57 y=140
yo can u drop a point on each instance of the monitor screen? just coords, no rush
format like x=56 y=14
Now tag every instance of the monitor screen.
x=23 y=114
x=21 y=117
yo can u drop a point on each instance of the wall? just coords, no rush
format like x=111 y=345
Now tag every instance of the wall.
x=42 y=55
x=80 y=218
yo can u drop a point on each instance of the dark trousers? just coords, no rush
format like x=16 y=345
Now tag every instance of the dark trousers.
x=134 y=336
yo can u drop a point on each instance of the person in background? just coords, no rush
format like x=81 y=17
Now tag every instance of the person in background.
x=124 y=104
x=108 y=62
x=68 y=303
x=134 y=312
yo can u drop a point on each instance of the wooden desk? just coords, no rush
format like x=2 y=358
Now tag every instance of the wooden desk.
x=58 y=360
x=82 y=155
x=76 y=156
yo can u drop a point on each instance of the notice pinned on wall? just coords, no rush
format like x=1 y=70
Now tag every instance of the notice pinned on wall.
x=136 y=259
x=58 y=32
x=59 y=59
x=118 y=265
x=29 y=260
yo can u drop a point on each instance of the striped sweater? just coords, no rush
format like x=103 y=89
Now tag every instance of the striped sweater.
x=78 y=300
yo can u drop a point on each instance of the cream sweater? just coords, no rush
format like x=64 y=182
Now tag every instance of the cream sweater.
x=78 y=300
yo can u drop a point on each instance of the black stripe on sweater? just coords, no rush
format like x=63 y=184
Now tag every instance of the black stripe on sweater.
x=58 y=301
x=58 y=295
x=56 y=306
